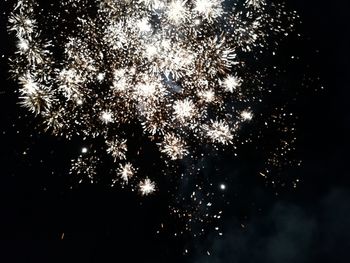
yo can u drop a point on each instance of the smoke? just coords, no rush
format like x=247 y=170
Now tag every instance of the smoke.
x=288 y=232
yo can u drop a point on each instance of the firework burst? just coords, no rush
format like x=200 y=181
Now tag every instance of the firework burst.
x=175 y=68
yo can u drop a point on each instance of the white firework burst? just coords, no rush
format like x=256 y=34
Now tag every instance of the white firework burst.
x=147 y=187
x=126 y=171
x=184 y=110
x=207 y=95
x=107 y=116
x=231 y=83
x=177 y=12
x=174 y=147
x=219 y=132
x=246 y=115
x=117 y=149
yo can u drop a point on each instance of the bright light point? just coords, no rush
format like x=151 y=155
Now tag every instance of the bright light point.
x=101 y=76
x=84 y=150
x=147 y=187
x=231 y=83
x=223 y=187
x=107 y=117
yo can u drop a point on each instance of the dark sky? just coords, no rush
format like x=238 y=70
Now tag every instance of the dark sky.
x=42 y=220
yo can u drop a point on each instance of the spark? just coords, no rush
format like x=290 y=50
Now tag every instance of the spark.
x=101 y=76
x=223 y=187
x=84 y=150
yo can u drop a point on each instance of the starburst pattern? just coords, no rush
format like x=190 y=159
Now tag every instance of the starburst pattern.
x=126 y=171
x=117 y=148
x=174 y=147
x=219 y=131
x=147 y=187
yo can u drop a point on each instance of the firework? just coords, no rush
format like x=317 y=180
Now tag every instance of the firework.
x=173 y=68
x=126 y=172
x=147 y=187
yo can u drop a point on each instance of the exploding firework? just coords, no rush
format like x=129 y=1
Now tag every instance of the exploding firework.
x=173 y=68
x=147 y=186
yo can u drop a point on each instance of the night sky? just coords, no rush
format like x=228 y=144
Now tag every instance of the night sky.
x=46 y=217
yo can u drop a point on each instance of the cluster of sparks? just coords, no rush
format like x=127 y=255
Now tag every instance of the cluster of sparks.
x=174 y=68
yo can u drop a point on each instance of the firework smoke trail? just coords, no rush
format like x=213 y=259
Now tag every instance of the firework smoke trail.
x=175 y=68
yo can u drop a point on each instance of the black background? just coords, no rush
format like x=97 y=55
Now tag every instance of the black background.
x=308 y=224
